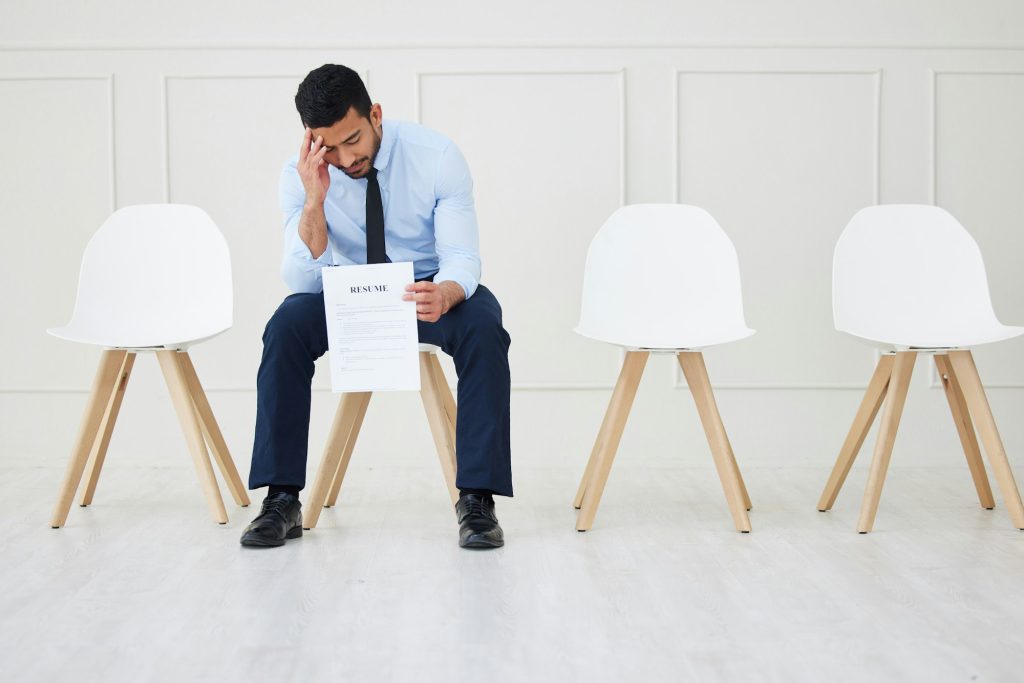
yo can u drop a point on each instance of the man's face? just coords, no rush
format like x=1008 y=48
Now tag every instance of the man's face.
x=352 y=143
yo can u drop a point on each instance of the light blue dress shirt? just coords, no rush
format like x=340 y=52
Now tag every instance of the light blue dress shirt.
x=429 y=216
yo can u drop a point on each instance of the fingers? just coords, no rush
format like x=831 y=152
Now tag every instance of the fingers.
x=316 y=154
x=312 y=152
x=428 y=304
x=420 y=297
x=427 y=313
x=313 y=166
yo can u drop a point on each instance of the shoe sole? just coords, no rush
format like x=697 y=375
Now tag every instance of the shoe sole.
x=294 y=532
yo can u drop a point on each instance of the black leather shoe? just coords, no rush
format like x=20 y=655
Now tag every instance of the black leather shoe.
x=478 y=525
x=280 y=518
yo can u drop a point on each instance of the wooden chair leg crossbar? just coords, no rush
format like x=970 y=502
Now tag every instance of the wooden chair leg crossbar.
x=194 y=413
x=970 y=410
x=588 y=495
x=439 y=405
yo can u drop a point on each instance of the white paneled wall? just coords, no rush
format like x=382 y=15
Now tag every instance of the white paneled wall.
x=978 y=174
x=554 y=172
x=782 y=182
x=58 y=185
x=782 y=133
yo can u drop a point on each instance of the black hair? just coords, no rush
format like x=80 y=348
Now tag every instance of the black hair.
x=327 y=93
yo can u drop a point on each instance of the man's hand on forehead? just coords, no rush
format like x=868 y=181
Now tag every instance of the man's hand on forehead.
x=311 y=167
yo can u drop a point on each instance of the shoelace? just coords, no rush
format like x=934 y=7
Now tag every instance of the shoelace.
x=278 y=505
x=475 y=506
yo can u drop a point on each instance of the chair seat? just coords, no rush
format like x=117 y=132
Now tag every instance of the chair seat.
x=698 y=339
x=116 y=339
x=940 y=339
x=111 y=339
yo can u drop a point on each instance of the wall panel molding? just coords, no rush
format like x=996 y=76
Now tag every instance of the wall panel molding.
x=165 y=124
x=108 y=78
x=933 y=182
x=295 y=45
x=620 y=75
x=677 y=381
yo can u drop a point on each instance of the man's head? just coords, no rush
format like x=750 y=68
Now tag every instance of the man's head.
x=332 y=101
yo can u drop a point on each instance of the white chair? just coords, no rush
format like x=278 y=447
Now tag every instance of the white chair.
x=909 y=279
x=154 y=278
x=662 y=278
x=441 y=416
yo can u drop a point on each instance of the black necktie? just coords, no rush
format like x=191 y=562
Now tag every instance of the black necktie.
x=374 y=220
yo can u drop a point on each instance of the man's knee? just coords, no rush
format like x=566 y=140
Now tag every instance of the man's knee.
x=480 y=321
x=486 y=329
x=300 y=316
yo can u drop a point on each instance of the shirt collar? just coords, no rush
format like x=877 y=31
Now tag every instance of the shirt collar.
x=387 y=143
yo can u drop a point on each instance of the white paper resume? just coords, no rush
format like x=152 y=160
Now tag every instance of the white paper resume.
x=371 y=333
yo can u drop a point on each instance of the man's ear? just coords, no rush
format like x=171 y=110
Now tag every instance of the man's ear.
x=376 y=116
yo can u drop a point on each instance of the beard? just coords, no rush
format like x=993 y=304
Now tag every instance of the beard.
x=362 y=166
x=366 y=163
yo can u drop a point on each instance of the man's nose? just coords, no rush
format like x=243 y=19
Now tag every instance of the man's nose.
x=347 y=159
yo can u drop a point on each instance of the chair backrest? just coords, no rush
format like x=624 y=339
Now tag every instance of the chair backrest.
x=909 y=274
x=662 y=276
x=152 y=275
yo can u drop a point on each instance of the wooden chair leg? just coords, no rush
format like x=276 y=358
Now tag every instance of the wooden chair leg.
x=697 y=379
x=899 y=384
x=965 y=429
x=739 y=476
x=869 y=405
x=349 y=444
x=337 y=440
x=588 y=472
x=450 y=409
x=212 y=433
x=602 y=436
x=177 y=383
x=99 y=399
x=440 y=427
x=977 y=403
x=615 y=417
x=99 y=449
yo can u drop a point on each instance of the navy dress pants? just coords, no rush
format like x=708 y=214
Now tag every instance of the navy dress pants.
x=471 y=333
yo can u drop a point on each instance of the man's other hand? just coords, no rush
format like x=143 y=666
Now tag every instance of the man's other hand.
x=434 y=300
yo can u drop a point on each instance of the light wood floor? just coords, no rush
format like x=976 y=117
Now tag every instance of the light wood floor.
x=143 y=586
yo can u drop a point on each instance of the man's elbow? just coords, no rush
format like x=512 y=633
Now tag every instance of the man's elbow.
x=300 y=281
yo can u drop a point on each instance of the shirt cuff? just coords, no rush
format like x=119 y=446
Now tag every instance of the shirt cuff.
x=460 y=277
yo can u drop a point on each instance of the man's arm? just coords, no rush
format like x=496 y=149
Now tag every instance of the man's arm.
x=456 y=241
x=302 y=200
x=456 y=235
x=313 y=229
x=315 y=181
